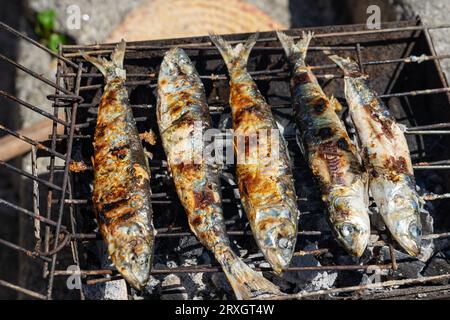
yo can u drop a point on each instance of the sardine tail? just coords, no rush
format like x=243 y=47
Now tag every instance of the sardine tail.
x=112 y=67
x=234 y=56
x=286 y=42
x=295 y=50
x=246 y=282
x=348 y=65
x=118 y=54
x=99 y=63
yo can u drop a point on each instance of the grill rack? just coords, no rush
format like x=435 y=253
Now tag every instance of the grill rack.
x=71 y=72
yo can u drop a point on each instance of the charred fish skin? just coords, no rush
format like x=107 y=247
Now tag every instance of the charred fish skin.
x=181 y=106
x=121 y=195
x=330 y=153
x=266 y=186
x=181 y=110
x=386 y=154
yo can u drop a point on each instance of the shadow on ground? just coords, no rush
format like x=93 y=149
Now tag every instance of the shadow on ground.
x=9 y=182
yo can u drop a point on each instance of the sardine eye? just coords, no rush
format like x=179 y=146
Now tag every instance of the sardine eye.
x=142 y=260
x=415 y=230
x=284 y=243
x=347 y=230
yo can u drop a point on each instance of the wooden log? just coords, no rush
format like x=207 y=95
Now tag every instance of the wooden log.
x=12 y=147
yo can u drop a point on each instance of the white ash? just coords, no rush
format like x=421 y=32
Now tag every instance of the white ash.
x=373 y=238
x=112 y=290
x=195 y=284
x=172 y=289
x=308 y=280
x=152 y=284
x=116 y=290
x=255 y=256
x=189 y=247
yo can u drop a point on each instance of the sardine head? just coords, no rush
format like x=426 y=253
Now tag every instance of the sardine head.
x=349 y=218
x=132 y=254
x=409 y=235
x=404 y=220
x=276 y=236
x=400 y=208
x=353 y=236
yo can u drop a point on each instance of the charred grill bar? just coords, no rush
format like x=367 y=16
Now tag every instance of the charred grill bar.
x=403 y=67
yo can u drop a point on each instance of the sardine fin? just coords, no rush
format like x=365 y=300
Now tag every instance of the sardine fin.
x=348 y=65
x=295 y=50
x=110 y=68
x=246 y=282
x=236 y=56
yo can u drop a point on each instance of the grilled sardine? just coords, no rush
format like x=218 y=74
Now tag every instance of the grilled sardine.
x=330 y=153
x=183 y=117
x=386 y=155
x=266 y=184
x=121 y=194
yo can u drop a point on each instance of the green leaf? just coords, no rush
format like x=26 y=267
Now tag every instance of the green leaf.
x=38 y=30
x=54 y=40
x=47 y=20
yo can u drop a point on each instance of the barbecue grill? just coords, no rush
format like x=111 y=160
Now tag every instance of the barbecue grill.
x=403 y=68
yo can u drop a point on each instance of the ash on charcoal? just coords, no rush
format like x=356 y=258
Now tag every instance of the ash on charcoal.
x=374 y=275
x=112 y=290
x=172 y=289
x=195 y=285
x=307 y=280
x=152 y=285
x=438 y=265
x=189 y=247
x=373 y=238
x=375 y=219
x=243 y=252
x=408 y=266
x=427 y=250
x=192 y=286
x=116 y=290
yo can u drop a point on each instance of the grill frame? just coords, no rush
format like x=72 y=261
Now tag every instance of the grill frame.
x=73 y=80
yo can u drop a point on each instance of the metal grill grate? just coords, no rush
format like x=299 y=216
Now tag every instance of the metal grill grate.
x=417 y=93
